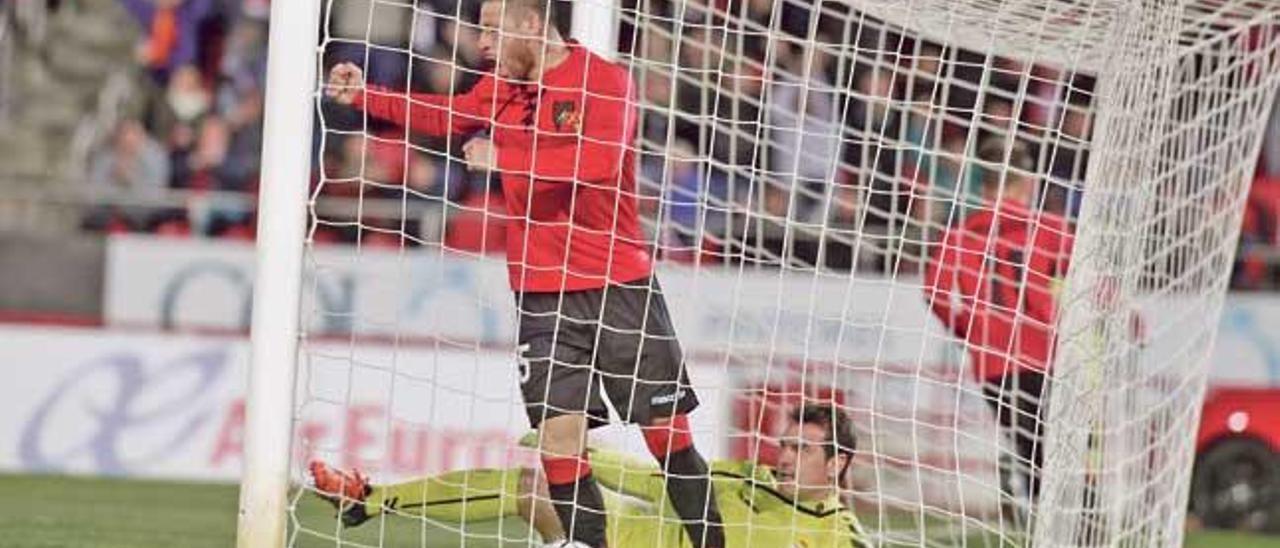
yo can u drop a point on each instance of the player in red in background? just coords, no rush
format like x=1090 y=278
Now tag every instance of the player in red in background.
x=591 y=313
x=992 y=281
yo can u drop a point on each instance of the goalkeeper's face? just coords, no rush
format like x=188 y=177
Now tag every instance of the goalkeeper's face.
x=804 y=471
x=511 y=38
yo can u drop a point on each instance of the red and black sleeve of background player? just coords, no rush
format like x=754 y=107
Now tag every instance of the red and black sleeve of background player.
x=957 y=273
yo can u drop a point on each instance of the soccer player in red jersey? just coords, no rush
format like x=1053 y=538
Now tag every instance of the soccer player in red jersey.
x=591 y=313
x=992 y=281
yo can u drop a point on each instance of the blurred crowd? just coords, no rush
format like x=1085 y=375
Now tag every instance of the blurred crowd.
x=200 y=127
x=832 y=123
x=788 y=135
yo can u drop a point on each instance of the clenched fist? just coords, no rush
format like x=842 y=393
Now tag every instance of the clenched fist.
x=480 y=155
x=345 y=81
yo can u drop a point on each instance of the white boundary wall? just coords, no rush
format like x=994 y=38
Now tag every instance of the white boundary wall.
x=131 y=401
x=120 y=403
x=185 y=284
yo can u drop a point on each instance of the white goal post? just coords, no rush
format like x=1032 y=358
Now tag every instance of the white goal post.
x=804 y=168
x=282 y=213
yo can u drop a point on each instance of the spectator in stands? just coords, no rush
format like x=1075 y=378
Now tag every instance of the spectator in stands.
x=243 y=117
x=684 y=182
x=922 y=125
x=804 y=127
x=1256 y=263
x=1007 y=165
x=957 y=180
x=171 y=33
x=655 y=82
x=925 y=71
x=201 y=166
x=244 y=59
x=175 y=117
x=737 y=103
x=775 y=202
x=254 y=9
x=186 y=96
x=240 y=100
x=947 y=182
x=1008 y=77
x=845 y=210
x=849 y=244
x=1044 y=97
x=430 y=186
x=135 y=163
x=462 y=39
x=1075 y=130
x=1066 y=157
x=135 y=166
x=426 y=26
x=361 y=164
x=872 y=145
x=997 y=119
x=874 y=92
x=1269 y=164
x=696 y=92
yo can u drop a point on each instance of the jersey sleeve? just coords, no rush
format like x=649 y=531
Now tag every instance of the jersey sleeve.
x=628 y=475
x=431 y=114
x=948 y=289
x=596 y=154
x=1054 y=254
x=1062 y=252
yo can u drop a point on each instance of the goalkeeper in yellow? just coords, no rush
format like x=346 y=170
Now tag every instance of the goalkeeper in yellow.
x=793 y=504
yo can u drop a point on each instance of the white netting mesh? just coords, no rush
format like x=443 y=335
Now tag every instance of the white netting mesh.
x=800 y=166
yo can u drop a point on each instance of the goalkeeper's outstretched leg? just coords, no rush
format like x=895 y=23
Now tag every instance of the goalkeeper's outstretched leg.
x=461 y=496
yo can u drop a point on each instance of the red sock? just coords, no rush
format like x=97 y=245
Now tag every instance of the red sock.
x=576 y=498
x=665 y=439
x=565 y=470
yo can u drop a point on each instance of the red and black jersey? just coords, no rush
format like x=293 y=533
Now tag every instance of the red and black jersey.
x=564 y=150
x=992 y=282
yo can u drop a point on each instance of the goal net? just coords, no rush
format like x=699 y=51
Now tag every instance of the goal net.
x=997 y=234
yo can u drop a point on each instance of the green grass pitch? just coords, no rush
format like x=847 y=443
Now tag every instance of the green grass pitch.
x=63 y=512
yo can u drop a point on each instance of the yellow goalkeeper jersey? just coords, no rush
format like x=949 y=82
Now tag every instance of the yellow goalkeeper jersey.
x=754 y=513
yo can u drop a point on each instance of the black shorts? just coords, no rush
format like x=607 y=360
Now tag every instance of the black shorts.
x=620 y=338
x=1017 y=399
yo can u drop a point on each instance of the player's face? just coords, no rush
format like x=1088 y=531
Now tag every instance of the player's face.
x=804 y=471
x=509 y=39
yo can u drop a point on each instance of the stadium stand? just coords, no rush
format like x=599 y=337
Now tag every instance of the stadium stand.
x=158 y=129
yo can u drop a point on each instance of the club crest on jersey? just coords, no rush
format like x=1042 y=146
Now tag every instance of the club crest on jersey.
x=565 y=115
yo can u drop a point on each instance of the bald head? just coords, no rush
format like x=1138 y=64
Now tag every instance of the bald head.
x=517 y=35
x=540 y=13
x=1012 y=176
